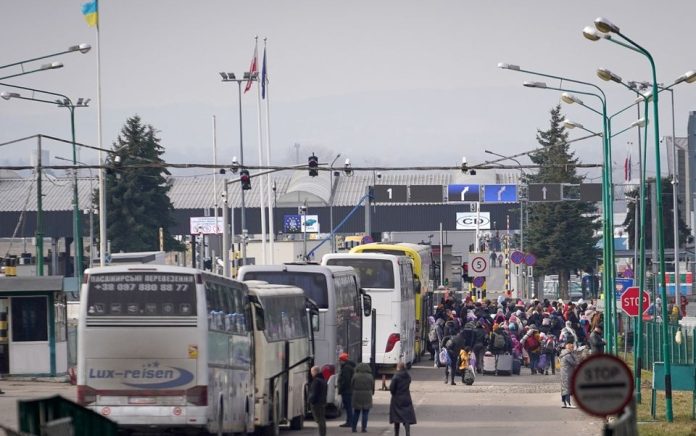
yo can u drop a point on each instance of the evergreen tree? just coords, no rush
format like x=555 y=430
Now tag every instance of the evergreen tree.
x=137 y=203
x=562 y=235
x=633 y=197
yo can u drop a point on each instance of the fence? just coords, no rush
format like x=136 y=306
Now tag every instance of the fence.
x=682 y=354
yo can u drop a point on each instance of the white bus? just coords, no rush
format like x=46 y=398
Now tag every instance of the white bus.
x=282 y=361
x=337 y=294
x=389 y=281
x=165 y=346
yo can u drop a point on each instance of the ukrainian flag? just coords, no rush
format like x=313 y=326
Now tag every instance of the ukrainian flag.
x=91 y=13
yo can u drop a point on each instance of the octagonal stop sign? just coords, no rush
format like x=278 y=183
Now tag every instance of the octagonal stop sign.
x=629 y=300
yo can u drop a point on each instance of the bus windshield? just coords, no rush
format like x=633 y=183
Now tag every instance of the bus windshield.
x=141 y=293
x=374 y=273
x=313 y=284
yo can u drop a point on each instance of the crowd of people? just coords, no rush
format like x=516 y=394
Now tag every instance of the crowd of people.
x=541 y=335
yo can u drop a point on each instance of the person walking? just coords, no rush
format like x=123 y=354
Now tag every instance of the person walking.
x=597 y=341
x=493 y=257
x=401 y=406
x=363 y=385
x=317 y=399
x=345 y=387
x=569 y=361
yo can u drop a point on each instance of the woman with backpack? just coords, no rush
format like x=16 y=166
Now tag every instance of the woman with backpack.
x=532 y=344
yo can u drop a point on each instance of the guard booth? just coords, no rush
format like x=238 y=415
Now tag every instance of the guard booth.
x=33 y=328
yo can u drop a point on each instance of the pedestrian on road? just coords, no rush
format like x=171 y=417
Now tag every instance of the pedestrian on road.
x=345 y=388
x=597 y=341
x=569 y=361
x=363 y=384
x=493 y=258
x=500 y=260
x=317 y=399
x=401 y=406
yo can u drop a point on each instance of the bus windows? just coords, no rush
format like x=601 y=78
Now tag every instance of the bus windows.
x=374 y=273
x=313 y=284
x=283 y=318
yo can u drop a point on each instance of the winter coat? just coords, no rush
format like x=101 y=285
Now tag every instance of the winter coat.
x=596 y=343
x=569 y=361
x=345 y=377
x=363 y=384
x=317 y=391
x=401 y=406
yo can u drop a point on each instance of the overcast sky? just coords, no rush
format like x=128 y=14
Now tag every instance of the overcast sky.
x=382 y=82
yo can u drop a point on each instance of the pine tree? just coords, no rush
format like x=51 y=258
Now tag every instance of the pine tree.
x=562 y=235
x=667 y=216
x=137 y=203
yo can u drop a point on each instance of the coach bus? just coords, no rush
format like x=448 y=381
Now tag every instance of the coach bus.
x=166 y=346
x=389 y=281
x=342 y=305
x=282 y=355
x=422 y=259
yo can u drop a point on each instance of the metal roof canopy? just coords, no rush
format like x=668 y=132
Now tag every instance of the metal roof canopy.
x=31 y=284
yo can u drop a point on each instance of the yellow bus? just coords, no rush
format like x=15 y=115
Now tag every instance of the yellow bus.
x=421 y=256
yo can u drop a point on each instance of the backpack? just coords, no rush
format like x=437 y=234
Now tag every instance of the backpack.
x=532 y=343
x=469 y=376
x=498 y=341
x=444 y=357
x=549 y=346
x=469 y=337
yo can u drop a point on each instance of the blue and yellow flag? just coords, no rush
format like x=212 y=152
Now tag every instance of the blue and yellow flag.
x=91 y=13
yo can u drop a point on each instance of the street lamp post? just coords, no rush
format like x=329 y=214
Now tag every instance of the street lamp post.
x=230 y=77
x=607 y=188
x=91 y=208
x=608 y=28
x=332 y=186
x=67 y=103
x=82 y=48
x=44 y=67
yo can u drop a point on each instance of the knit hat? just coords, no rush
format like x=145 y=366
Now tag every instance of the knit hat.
x=343 y=357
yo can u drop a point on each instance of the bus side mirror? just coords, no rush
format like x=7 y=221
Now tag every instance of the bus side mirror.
x=258 y=314
x=417 y=284
x=314 y=319
x=367 y=305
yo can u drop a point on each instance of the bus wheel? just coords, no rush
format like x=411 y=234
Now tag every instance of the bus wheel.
x=297 y=423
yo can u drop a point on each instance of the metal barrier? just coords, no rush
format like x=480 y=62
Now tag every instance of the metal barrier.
x=682 y=354
x=58 y=416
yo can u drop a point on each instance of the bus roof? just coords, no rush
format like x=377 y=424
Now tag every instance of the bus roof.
x=384 y=256
x=142 y=268
x=301 y=267
x=412 y=250
x=258 y=287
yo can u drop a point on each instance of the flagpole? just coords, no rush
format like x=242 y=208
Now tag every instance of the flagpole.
x=215 y=191
x=262 y=193
x=102 y=179
x=271 y=230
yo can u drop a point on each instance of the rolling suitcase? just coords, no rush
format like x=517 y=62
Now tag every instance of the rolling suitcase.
x=488 y=363
x=504 y=364
x=516 y=366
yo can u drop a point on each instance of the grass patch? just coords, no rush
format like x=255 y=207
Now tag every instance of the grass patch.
x=681 y=410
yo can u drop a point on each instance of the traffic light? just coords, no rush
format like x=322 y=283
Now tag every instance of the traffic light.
x=313 y=165
x=245 y=179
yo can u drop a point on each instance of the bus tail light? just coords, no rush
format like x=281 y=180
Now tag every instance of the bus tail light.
x=393 y=339
x=197 y=395
x=86 y=395
x=327 y=371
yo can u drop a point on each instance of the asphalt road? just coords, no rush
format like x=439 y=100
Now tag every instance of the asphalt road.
x=494 y=405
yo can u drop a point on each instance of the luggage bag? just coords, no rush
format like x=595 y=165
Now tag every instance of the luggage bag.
x=488 y=363
x=504 y=364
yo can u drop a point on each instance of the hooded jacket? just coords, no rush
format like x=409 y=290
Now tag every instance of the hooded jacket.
x=363 y=385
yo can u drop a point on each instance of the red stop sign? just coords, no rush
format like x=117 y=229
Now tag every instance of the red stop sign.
x=629 y=300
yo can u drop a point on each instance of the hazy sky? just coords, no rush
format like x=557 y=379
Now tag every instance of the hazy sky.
x=389 y=82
